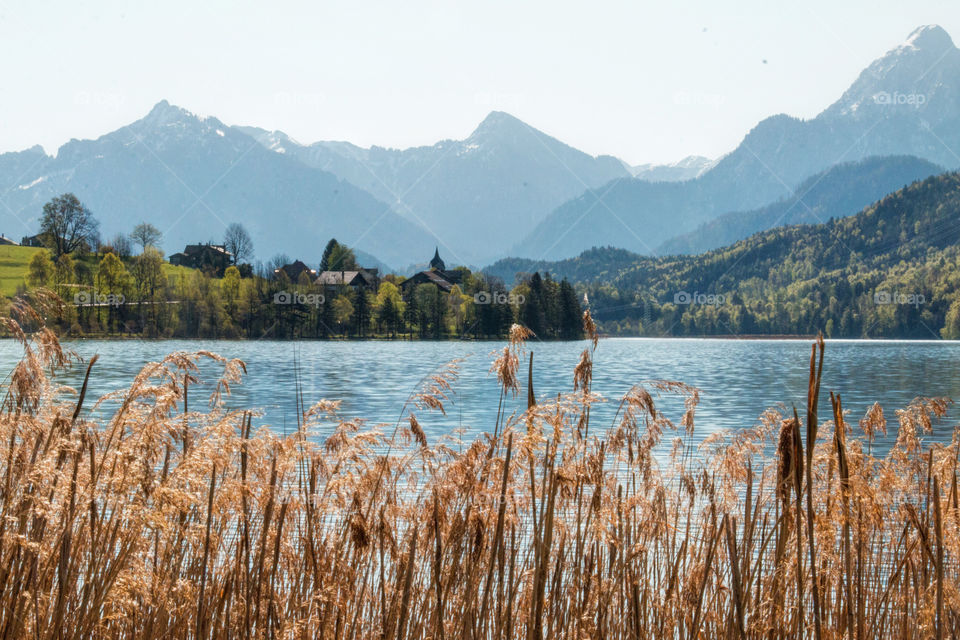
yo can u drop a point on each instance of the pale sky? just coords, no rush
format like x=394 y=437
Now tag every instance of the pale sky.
x=645 y=81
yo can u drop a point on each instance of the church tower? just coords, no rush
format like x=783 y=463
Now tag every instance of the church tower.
x=436 y=262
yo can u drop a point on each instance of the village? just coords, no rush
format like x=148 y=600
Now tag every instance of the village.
x=217 y=290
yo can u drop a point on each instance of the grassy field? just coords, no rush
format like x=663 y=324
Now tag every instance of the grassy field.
x=177 y=270
x=13 y=267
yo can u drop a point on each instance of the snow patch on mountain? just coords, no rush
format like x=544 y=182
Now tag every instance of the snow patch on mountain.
x=24 y=187
x=686 y=169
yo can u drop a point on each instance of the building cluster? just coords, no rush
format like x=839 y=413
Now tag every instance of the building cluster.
x=26 y=241
x=203 y=256
x=437 y=274
x=368 y=279
x=216 y=258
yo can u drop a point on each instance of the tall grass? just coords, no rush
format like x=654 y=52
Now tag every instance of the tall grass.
x=178 y=520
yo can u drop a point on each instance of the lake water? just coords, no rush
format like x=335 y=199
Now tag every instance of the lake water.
x=738 y=379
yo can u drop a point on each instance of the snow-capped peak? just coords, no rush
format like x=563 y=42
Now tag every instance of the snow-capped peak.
x=910 y=75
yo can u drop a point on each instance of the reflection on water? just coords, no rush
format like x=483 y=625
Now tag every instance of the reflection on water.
x=738 y=379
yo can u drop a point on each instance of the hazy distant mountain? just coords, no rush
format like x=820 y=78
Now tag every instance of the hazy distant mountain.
x=190 y=177
x=905 y=103
x=478 y=195
x=595 y=265
x=506 y=185
x=841 y=190
x=686 y=169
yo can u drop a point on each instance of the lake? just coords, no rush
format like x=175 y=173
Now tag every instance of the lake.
x=738 y=379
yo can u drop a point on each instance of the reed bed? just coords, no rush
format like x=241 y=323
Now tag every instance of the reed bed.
x=174 y=518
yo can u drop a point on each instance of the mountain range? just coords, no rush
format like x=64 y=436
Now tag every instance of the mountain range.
x=190 y=177
x=474 y=194
x=832 y=193
x=886 y=271
x=507 y=188
x=905 y=103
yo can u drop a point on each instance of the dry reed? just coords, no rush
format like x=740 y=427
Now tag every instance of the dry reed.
x=162 y=522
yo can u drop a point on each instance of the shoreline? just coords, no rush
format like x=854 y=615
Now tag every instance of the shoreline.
x=338 y=340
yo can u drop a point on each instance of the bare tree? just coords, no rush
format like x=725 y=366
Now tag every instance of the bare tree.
x=146 y=235
x=237 y=241
x=121 y=246
x=67 y=224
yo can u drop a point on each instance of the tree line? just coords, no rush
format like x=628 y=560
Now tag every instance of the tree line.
x=892 y=270
x=110 y=290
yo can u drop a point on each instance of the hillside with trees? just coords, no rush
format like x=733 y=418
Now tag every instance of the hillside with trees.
x=842 y=190
x=104 y=289
x=892 y=270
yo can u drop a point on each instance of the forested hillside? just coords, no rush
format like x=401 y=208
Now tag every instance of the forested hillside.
x=891 y=270
x=840 y=191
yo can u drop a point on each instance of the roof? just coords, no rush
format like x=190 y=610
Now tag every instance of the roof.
x=193 y=249
x=443 y=279
x=295 y=268
x=436 y=262
x=336 y=277
x=331 y=278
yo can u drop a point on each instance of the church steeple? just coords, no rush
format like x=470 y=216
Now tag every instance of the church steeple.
x=437 y=262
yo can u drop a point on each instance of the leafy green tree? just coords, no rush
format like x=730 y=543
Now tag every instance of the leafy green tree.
x=148 y=279
x=571 y=315
x=64 y=274
x=361 y=314
x=112 y=275
x=411 y=314
x=389 y=307
x=433 y=310
x=342 y=311
x=230 y=288
x=951 y=327
x=147 y=273
x=112 y=281
x=327 y=251
x=493 y=320
x=532 y=311
x=388 y=315
x=40 y=269
x=458 y=304
x=325 y=319
x=342 y=259
x=337 y=257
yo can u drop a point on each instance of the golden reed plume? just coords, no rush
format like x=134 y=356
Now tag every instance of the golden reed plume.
x=172 y=518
